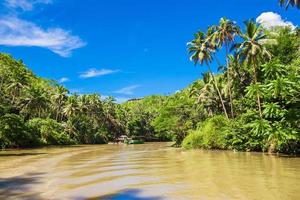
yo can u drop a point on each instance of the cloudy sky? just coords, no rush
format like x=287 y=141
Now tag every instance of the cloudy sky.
x=124 y=48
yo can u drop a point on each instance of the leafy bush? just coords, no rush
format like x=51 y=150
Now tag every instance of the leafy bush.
x=193 y=140
x=247 y=132
x=50 y=131
x=100 y=138
x=209 y=135
x=15 y=133
x=250 y=133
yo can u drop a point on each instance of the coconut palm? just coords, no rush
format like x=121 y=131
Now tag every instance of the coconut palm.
x=239 y=75
x=59 y=98
x=71 y=107
x=202 y=50
x=287 y=3
x=205 y=93
x=34 y=102
x=253 y=51
x=225 y=33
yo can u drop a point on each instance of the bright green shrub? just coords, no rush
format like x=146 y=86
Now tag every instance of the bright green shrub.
x=209 y=135
x=193 y=140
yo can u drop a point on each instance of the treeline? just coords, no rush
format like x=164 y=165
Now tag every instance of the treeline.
x=35 y=111
x=257 y=91
x=251 y=104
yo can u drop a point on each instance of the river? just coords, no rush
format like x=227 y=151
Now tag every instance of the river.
x=152 y=171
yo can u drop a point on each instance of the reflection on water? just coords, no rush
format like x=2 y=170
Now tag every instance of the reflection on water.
x=151 y=171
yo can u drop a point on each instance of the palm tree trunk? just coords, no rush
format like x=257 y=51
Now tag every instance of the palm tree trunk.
x=258 y=96
x=229 y=83
x=219 y=93
x=56 y=117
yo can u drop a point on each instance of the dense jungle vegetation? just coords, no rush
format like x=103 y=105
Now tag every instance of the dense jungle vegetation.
x=251 y=104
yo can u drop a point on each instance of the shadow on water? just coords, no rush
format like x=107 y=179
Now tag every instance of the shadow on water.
x=19 y=154
x=130 y=194
x=19 y=187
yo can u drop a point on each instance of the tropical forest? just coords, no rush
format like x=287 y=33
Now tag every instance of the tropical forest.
x=246 y=99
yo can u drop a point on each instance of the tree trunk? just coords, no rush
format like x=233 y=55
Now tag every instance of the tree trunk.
x=229 y=83
x=258 y=97
x=219 y=93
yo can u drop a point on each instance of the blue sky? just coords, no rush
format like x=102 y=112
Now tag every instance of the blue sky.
x=124 y=48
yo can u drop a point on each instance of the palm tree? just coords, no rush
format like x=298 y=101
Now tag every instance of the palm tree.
x=202 y=51
x=59 y=98
x=240 y=76
x=95 y=110
x=71 y=107
x=252 y=50
x=14 y=89
x=204 y=92
x=225 y=33
x=113 y=124
x=83 y=103
x=287 y=3
x=208 y=94
x=34 y=102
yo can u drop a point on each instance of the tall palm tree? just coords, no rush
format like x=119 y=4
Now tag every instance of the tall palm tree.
x=201 y=51
x=225 y=33
x=287 y=3
x=252 y=50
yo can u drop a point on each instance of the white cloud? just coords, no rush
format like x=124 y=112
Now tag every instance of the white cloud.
x=121 y=99
x=127 y=90
x=25 y=5
x=95 y=72
x=63 y=80
x=18 y=32
x=271 y=19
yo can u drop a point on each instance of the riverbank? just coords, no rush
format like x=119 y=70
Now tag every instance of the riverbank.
x=150 y=170
x=170 y=144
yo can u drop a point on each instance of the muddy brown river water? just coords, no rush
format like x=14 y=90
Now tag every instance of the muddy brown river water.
x=152 y=171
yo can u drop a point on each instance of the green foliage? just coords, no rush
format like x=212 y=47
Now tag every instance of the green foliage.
x=258 y=82
x=266 y=67
x=15 y=133
x=209 y=135
x=45 y=112
x=49 y=131
x=177 y=115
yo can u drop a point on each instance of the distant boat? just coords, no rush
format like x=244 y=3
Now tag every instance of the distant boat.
x=134 y=140
x=122 y=138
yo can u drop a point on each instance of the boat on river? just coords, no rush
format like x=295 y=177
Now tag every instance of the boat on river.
x=131 y=140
